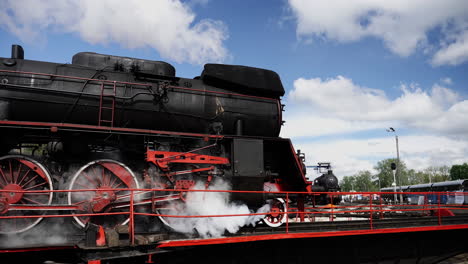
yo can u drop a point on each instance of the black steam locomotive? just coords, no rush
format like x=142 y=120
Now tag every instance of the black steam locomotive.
x=113 y=123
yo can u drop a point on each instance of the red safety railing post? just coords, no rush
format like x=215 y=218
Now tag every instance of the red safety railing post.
x=286 y=213
x=301 y=208
x=381 y=212
x=370 y=211
x=438 y=208
x=150 y=259
x=132 y=220
x=331 y=205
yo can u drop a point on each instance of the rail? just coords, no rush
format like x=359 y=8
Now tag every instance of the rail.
x=302 y=211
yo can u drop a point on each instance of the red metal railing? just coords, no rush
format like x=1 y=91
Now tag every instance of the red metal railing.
x=366 y=206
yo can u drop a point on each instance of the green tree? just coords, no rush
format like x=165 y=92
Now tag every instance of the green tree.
x=414 y=177
x=361 y=182
x=347 y=183
x=459 y=171
x=364 y=182
x=437 y=174
x=385 y=174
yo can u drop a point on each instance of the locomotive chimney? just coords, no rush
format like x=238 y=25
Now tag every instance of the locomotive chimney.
x=17 y=52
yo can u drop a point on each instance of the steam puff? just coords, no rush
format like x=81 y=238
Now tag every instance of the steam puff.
x=212 y=203
x=164 y=25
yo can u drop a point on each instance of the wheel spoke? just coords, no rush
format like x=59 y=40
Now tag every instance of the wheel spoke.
x=117 y=186
x=37 y=185
x=24 y=177
x=85 y=186
x=89 y=179
x=30 y=180
x=18 y=173
x=11 y=171
x=31 y=200
x=3 y=176
x=96 y=173
x=113 y=181
x=103 y=175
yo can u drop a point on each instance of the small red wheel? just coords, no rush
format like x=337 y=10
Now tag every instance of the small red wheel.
x=277 y=215
x=19 y=173
x=107 y=178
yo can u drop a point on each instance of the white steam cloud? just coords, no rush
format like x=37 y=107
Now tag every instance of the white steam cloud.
x=211 y=203
x=52 y=233
x=167 y=26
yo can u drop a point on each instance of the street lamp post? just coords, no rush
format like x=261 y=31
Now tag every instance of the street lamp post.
x=396 y=172
x=393 y=167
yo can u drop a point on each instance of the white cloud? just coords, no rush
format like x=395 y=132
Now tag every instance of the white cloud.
x=167 y=26
x=353 y=155
x=349 y=107
x=447 y=81
x=433 y=121
x=402 y=25
x=454 y=53
x=308 y=124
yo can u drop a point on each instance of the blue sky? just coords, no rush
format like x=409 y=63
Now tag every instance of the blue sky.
x=351 y=68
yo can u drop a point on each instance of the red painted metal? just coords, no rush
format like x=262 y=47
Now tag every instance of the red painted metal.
x=171 y=174
x=287 y=211
x=150 y=259
x=101 y=237
x=443 y=212
x=122 y=173
x=380 y=209
x=438 y=211
x=12 y=195
x=101 y=200
x=241 y=239
x=52 y=207
x=301 y=208
x=33 y=167
x=230 y=240
x=370 y=211
x=132 y=220
x=163 y=158
x=184 y=184
x=96 y=261
x=66 y=126
x=4 y=205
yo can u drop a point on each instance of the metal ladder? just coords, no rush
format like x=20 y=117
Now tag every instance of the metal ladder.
x=107 y=105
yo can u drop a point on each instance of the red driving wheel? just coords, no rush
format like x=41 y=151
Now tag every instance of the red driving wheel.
x=17 y=174
x=108 y=180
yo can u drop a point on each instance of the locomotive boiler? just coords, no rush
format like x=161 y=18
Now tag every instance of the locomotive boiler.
x=113 y=124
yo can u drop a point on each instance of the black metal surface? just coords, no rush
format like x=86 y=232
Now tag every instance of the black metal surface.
x=124 y=64
x=423 y=247
x=243 y=79
x=31 y=97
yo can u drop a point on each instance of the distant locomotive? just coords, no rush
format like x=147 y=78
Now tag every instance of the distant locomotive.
x=113 y=123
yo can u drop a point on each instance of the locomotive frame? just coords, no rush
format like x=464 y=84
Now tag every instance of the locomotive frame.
x=104 y=139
